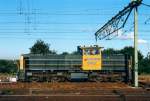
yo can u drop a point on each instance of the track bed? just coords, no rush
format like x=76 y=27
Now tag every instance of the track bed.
x=86 y=91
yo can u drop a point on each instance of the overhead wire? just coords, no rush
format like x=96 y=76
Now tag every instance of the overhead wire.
x=145 y=4
x=31 y=12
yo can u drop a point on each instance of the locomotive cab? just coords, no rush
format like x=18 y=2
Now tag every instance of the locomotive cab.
x=91 y=58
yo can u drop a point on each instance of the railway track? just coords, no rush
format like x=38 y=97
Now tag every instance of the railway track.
x=71 y=86
x=60 y=88
x=75 y=98
x=88 y=91
x=65 y=85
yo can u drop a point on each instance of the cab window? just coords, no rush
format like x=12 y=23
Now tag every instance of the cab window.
x=91 y=51
x=86 y=52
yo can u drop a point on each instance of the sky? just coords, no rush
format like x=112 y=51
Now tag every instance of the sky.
x=66 y=24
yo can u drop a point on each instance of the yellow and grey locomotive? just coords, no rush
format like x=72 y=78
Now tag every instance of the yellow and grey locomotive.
x=90 y=65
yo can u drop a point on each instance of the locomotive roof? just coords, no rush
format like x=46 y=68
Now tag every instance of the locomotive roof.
x=89 y=47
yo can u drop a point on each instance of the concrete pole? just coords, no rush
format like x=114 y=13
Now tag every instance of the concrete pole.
x=135 y=46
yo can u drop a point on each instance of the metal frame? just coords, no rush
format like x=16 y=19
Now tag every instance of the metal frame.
x=117 y=22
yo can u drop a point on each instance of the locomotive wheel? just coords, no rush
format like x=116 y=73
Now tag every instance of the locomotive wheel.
x=34 y=79
x=48 y=79
x=54 y=79
x=119 y=79
x=63 y=79
x=96 y=79
x=93 y=79
x=57 y=79
x=99 y=79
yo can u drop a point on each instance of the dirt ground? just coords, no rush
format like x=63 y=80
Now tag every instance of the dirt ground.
x=76 y=91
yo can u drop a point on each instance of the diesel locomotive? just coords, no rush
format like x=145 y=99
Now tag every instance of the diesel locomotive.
x=91 y=64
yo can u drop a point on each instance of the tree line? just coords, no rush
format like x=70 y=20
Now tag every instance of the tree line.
x=40 y=47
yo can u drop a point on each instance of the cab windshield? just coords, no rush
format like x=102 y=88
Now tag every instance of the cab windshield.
x=91 y=51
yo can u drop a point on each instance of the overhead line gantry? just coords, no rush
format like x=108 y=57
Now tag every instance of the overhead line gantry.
x=116 y=23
